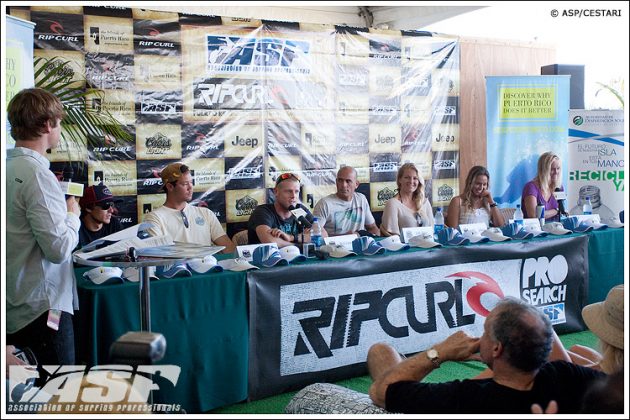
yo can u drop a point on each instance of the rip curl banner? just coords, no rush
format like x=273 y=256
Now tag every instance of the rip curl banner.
x=315 y=322
x=525 y=117
x=242 y=100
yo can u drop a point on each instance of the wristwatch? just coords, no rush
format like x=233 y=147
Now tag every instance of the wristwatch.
x=434 y=357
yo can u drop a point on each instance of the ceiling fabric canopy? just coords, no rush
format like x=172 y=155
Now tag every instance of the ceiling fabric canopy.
x=383 y=17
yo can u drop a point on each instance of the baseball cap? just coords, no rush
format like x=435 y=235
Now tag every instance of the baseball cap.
x=104 y=275
x=173 y=270
x=268 y=256
x=495 y=235
x=450 y=236
x=292 y=254
x=574 y=224
x=613 y=222
x=237 y=264
x=393 y=243
x=204 y=265
x=424 y=240
x=172 y=172
x=367 y=246
x=336 y=250
x=133 y=274
x=516 y=231
x=594 y=223
x=97 y=194
x=555 y=228
x=474 y=237
x=535 y=230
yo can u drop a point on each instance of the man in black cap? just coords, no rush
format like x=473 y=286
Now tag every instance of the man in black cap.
x=97 y=210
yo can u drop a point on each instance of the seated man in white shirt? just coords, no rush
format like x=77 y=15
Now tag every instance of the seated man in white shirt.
x=181 y=221
x=346 y=211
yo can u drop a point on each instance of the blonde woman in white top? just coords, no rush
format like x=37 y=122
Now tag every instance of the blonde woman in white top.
x=475 y=204
x=409 y=207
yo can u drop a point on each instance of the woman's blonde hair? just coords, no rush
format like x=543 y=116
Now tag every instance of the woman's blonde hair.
x=612 y=358
x=418 y=194
x=474 y=172
x=543 y=175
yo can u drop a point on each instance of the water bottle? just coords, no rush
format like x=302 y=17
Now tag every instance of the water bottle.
x=316 y=233
x=439 y=222
x=587 y=208
x=518 y=215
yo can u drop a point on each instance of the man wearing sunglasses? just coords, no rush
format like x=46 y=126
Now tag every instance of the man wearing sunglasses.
x=180 y=220
x=97 y=214
x=274 y=222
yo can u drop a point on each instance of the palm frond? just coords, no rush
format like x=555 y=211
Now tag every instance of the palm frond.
x=612 y=90
x=81 y=122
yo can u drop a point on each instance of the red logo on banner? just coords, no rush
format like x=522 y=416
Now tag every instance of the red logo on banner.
x=56 y=27
x=153 y=31
x=486 y=285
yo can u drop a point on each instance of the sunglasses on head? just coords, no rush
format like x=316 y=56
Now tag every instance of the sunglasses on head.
x=106 y=206
x=287 y=175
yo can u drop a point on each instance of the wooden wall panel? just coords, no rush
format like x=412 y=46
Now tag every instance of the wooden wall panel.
x=481 y=58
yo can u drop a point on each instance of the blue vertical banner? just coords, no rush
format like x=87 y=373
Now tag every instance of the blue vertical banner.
x=525 y=117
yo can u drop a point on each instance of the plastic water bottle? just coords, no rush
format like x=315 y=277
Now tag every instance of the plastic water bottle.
x=518 y=215
x=587 y=208
x=439 y=222
x=316 y=233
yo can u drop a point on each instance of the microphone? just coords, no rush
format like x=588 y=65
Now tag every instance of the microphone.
x=561 y=197
x=300 y=216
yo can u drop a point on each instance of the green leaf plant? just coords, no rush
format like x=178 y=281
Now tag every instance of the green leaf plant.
x=82 y=123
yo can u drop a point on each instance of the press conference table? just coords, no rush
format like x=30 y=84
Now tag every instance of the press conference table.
x=204 y=319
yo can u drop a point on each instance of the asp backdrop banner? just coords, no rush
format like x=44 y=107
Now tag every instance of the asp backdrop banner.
x=316 y=322
x=241 y=100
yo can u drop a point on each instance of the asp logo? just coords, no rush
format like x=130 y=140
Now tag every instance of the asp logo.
x=230 y=54
x=98 y=384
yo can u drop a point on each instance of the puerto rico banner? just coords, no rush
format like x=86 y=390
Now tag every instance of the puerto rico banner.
x=18 y=62
x=525 y=117
x=241 y=100
x=596 y=161
x=315 y=322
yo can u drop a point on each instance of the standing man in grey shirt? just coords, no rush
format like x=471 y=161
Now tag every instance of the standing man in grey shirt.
x=346 y=211
x=42 y=231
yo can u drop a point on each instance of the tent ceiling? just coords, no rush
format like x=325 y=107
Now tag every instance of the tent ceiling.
x=386 y=17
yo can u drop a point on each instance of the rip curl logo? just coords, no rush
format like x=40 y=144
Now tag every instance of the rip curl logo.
x=486 y=284
x=74 y=388
x=56 y=27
